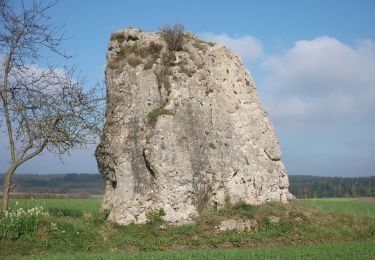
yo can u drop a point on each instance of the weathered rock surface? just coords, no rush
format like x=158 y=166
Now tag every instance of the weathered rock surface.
x=274 y=219
x=207 y=138
x=238 y=224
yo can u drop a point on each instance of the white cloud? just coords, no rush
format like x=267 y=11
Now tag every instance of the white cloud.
x=248 y=47
x=319 y=80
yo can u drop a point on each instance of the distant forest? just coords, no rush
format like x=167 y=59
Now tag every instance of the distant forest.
x=306 y=186
x=57 y=183
x=301 y=186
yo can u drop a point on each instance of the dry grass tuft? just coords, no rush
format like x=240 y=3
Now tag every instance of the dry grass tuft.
x=174 y=36
x=134 y=60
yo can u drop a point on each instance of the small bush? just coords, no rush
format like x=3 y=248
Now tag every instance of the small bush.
x=168 y=59
x=174 y=36
x=276 y=229
x=118 y=36
x=155 y=217
x=136 y=53
x=226 y=209
x=211 y=44
x=101 y=217
x=135 y=49
x=200 y=46
x=158 y=112
x=163 y=78
x=245 y=210
x=134 y=60
x=14 y=224
x=149 y=64
x=154 y=48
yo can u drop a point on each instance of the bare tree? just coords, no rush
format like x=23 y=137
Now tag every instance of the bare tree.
x=42 y=107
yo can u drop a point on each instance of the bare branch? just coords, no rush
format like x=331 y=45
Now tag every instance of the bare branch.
x=42 y=108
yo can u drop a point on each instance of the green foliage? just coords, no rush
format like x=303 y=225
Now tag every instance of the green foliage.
x=344 y=250
x=154 y=114
x=80 y=205
x=227 y=209
x=149 y=64
x=174 y=36
x=155 y=217
x=134 y=61
x=241 y=210
x=101 y=217
x=307 y=186
x=154 y=48
x=135 y=49
x=168 y=59
x=57 y=183
x=19 y=222
x=135 y=53
x=300 y=186
x=200 y=45
x=60 y=234
x=59 y=212
x=349 y=205
x=281 y=228
x=245 y=211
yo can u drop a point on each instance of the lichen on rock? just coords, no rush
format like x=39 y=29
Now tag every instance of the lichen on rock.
x=184 y=130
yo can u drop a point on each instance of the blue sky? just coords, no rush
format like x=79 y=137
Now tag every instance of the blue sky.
x=313 y=63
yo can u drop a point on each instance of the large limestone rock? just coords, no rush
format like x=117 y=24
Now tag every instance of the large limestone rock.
x=184 y=130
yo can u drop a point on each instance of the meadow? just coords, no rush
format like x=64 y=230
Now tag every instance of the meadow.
x=313 y=228
x=344 y=205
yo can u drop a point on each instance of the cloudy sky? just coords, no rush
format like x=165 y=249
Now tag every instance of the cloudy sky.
x=313 y=63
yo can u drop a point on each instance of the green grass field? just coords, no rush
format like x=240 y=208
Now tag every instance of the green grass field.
x=327 y=228
x=364 y=250
x=344 y=205
x=74 y=205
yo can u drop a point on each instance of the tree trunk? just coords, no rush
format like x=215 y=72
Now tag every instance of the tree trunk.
x=6 y=189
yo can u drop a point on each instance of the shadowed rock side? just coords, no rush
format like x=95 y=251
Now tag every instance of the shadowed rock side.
x=184 y=130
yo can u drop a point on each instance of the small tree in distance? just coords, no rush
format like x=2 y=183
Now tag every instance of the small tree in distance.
x=41 y=108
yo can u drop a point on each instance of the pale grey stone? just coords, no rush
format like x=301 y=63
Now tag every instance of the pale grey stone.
x=274 y=219
x=298 y=220
x=238 y=224
x=219 y=142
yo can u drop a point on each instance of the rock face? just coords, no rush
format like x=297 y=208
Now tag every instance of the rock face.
x=184 y=130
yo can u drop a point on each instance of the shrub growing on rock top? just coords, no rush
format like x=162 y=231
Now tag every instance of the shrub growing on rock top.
x=134 y=60
x=174 y=36
x=154 y=48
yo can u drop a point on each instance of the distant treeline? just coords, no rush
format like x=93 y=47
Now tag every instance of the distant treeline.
x=306 y=186
x=57 y=183
x=301 y=186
